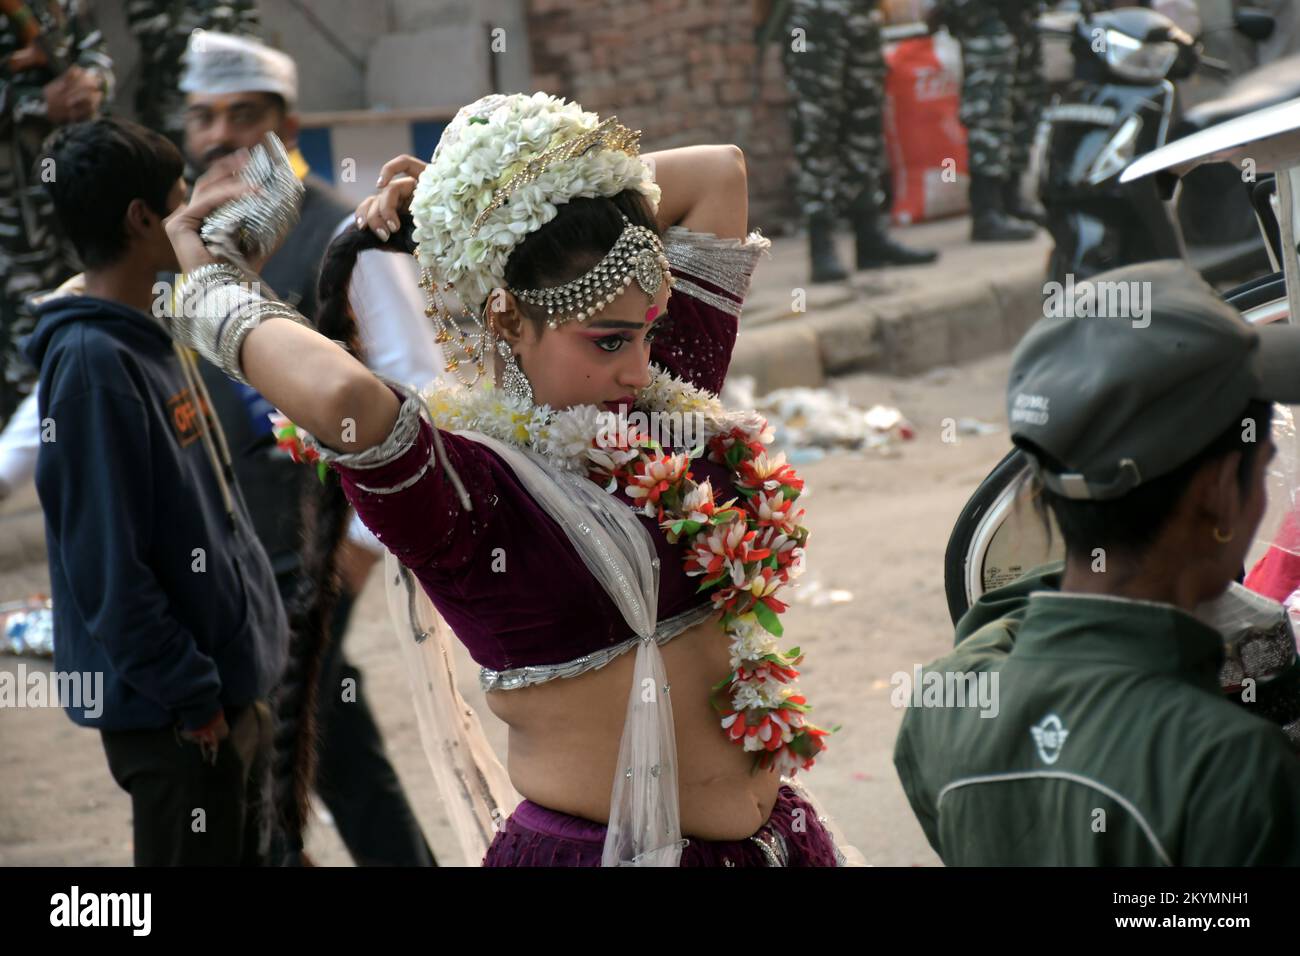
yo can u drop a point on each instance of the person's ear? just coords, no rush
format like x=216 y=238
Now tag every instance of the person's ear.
x=1223 y=491
x=140 y=219
x=504 y=316
x=290 y=126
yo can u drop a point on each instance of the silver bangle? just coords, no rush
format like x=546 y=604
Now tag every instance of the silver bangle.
x=218 y=307
x=405 y=430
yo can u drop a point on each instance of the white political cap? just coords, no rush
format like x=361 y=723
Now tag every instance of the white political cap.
x=218 y=63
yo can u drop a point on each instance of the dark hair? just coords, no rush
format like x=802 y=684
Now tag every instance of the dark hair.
x=1128 y=525
x=582 y=231
x=324 y=526
x=100 y=167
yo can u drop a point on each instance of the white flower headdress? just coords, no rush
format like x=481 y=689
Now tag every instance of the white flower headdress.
x=500 y=169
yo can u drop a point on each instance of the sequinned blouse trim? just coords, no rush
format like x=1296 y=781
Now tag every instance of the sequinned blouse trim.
x=517 y=677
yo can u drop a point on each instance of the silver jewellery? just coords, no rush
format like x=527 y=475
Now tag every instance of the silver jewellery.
x=217 y=308
x=220 y=303
x=638 y=254
x=514 y=382
x=252 y=225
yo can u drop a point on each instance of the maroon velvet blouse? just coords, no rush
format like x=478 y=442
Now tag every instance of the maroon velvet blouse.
x=503 y=574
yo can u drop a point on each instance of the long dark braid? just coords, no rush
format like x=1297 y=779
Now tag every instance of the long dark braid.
x=324 y=523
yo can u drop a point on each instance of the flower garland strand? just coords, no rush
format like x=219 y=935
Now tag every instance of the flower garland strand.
x=746 y=551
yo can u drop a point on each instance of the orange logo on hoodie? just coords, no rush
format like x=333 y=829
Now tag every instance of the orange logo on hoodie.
x=186 y=417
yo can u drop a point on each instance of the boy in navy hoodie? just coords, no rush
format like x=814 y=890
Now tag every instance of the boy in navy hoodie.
x=158 y=580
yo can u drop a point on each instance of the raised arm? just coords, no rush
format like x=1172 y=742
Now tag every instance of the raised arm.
x=703 y=211
x=428 y=509
x=305 y=375
x=704 y=189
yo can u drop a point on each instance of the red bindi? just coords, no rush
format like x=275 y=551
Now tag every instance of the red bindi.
x=650 y=313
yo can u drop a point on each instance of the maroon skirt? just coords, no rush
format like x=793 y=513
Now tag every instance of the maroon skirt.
x=792 y=836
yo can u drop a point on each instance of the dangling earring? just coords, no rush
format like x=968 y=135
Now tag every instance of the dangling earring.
x=513 y=380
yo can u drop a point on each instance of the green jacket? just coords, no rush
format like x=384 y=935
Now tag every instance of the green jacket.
x=1110 y=742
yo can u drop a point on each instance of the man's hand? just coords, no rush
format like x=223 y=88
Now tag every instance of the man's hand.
x=209 y=737
x=74 y=95
x=219 y=185
x=379 y=213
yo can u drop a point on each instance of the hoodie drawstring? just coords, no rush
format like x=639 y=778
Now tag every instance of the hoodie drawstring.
x=200 y=392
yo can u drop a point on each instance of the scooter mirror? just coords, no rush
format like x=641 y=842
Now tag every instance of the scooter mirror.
x=1255 y=24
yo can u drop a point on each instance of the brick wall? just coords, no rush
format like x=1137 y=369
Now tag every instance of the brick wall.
x=681 y=71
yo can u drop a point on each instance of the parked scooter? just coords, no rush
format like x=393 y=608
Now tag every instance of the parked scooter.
x=1123 y=103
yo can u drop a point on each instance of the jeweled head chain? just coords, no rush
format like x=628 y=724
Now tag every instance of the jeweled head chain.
x=638 y=254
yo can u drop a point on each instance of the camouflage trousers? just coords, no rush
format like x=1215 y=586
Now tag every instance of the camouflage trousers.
x=33 y=258
x=1003 y=92
x=835 y=69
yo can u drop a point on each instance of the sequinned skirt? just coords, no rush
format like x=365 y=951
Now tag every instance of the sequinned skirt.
x=792 y=836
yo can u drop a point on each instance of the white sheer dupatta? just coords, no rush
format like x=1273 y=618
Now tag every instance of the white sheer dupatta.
x=475 y=789
x=645 y=824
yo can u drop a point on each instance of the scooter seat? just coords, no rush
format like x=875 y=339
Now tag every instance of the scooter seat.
x=1262 y=87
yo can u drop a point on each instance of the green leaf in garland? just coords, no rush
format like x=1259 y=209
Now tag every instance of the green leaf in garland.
x=321 y=470
x=767 y=617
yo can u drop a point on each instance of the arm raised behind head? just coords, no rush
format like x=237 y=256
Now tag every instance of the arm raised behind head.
x=266 y=343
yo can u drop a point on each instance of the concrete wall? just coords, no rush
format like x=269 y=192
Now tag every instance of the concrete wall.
x=378 y=53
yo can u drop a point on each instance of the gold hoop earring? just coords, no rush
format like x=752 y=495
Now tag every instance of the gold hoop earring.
x=1220 y=537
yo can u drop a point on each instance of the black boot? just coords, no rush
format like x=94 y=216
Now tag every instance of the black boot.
x=875 y=249
x=989 y=220
x=821 y=249
x=1013 y=201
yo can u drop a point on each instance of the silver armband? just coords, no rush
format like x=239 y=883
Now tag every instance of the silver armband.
x=404 y=433
x=218 y=307
x=252 y=226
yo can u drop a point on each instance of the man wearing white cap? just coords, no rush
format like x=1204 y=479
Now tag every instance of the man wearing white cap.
x=237 y=90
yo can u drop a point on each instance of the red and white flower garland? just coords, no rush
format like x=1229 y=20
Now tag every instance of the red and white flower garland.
x=745 y=550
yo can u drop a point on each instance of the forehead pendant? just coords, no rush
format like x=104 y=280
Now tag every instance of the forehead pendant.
x=649 y=274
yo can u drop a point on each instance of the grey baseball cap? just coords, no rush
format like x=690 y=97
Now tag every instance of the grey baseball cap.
x=1121 y=399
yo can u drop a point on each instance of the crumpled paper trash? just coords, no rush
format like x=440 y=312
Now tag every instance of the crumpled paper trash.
x=816 y=594
x=27 y=628
x=808 y=422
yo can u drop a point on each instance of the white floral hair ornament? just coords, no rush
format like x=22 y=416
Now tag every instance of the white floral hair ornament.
x=502 y=166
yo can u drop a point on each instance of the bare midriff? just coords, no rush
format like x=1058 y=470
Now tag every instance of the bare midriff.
x=565 y=734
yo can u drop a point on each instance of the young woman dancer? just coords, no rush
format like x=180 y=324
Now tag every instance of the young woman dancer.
x=621 y=594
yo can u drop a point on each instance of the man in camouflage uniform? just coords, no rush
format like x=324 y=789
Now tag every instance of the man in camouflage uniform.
x=1002 y=97
x=163 y=28
x=54 y=69
x=835 y=68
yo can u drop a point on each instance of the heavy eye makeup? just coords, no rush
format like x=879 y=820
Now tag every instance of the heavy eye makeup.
x=614 y=342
